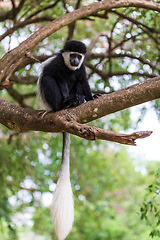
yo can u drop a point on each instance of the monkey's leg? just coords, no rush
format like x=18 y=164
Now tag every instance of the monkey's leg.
x=52 y=94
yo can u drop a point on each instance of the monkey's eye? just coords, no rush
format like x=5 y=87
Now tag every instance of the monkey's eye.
x=75 y=59
x=75 y=55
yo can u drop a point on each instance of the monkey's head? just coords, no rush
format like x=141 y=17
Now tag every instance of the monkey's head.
x=73 y=54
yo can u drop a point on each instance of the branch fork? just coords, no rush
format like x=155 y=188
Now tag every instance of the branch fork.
x=73 y=120
x=6 y=84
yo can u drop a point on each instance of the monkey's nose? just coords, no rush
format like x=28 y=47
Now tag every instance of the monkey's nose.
x=74 y=62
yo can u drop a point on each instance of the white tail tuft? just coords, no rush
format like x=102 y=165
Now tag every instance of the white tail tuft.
x=63 y=205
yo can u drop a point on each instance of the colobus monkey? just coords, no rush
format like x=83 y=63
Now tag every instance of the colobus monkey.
x=62 y=84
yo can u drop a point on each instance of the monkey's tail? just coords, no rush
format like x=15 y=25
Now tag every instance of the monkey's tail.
x=63 y=205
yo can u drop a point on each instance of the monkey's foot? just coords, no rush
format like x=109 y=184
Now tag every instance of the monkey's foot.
x=43 y=113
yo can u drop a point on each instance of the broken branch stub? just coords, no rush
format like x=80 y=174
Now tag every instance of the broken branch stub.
x=94 y=133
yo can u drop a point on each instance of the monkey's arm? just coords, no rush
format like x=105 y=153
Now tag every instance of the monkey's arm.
x=87 y=91
x=84 y=86
x=79 y=94
x=63 y=87
x=50 y=92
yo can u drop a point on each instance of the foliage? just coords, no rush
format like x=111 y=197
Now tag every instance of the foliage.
x=124 y=48
x=150 y=210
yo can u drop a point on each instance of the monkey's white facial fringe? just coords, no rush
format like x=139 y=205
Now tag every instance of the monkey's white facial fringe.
x=66 y=57
x=63 y=207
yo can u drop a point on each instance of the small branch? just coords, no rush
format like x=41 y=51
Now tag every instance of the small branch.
x=121 y=55
x=11 y=14
x=24 y=79
x=71 y=28
x=105 y=75
x=6 y=84
x=12 y=68
x=133 y=20
x=92 y=43
x=13 y=10
x=42 y=9
x=23 y=24
x=29 y=55
x=19 y=97
x=27 y=61
x=133 y=38
x=12 y=135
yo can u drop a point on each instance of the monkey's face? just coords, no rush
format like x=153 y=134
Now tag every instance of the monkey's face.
x=73 y=60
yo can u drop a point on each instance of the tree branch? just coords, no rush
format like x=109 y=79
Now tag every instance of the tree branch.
x=43 y=9
x=119 y=100
x=119 y=55
x=12 y=13
x=19 y=97
x=29 y=79
x=105 y=75
x=18 y=52
x=135 y=21
x=25 y=23
x=71 y=120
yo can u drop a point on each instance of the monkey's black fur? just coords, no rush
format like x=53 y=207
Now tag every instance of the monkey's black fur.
x=74 y=46
x=63 y=83
x=61 y=87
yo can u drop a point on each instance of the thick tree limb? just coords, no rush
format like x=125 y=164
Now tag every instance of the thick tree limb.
x=21 y=119
x=23 y=24
x=20 y=51
x=70 y=120
x=119 y=100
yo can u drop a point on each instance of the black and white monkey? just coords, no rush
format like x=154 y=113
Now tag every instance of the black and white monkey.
x=63 y=83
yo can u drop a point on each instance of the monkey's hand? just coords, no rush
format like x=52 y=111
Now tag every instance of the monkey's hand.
x=70 y=103
x=77 y=100
x=97 y=95
x=80 y=98
x=65 y=99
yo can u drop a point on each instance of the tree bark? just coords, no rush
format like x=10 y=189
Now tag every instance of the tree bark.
x=70 y=120
x=119 y=100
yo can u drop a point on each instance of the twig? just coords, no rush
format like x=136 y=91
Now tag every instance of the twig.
x=13 y=67
x=29 y=55
x=12 y=135
x=6 y=84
